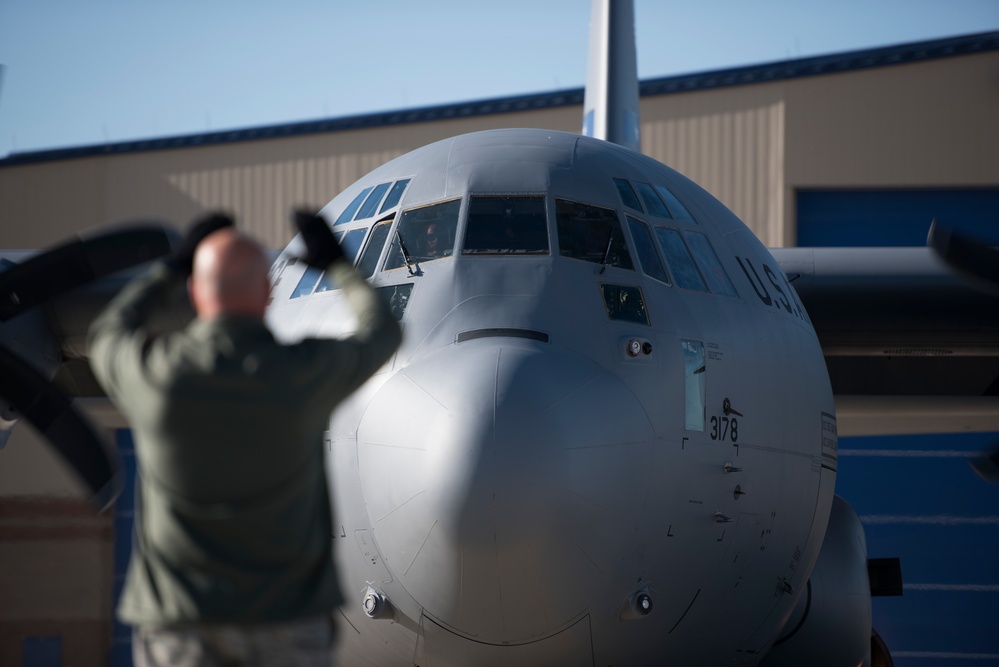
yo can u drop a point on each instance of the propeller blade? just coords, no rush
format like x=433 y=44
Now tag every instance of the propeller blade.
x=32 y=396
x=987 y=466
x=968 y=256
x=78 y=262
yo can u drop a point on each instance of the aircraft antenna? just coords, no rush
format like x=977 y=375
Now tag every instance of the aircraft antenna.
x=610 y=103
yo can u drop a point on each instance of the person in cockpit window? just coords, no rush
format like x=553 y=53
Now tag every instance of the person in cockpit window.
x=432 y=245
x=232 y=560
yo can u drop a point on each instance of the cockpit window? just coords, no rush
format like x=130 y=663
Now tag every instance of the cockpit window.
x=397 y=297
x=373 y=250
x=427 y=232
x=591 y=233
x=371 y=203
x=394 y=195
x=678 y=210
x=506 y=225
x=680 y=262
x=307 y=283
x=653 y=203
x=648 y=256
x=348 y=213
x=351 y=243
x=624 y=302
x=628 y=194
x=712 y=269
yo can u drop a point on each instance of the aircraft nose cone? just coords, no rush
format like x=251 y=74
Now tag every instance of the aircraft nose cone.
x=497 y=477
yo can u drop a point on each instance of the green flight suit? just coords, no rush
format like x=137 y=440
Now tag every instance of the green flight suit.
x=233 y=519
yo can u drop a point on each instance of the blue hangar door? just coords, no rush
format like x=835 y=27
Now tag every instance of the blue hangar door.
x=916 y=496
x=893 y=217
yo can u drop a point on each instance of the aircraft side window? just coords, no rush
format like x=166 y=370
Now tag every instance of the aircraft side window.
x=351 y=243
x=681 y=264
x=645 y=246
x=348 y=213
x=652 y=201
x=371 y=203
x=678 y=210
x=307 y=282
x=428 y=233
x=711 y=267
x=624 y=302
x=394 y=195
x=694 y=374
x=397 y=297
x=591 y=233
x=373 y=249
x=628 y=195
x=506 y=225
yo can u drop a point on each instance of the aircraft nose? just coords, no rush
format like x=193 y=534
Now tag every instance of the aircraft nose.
x=498 y=474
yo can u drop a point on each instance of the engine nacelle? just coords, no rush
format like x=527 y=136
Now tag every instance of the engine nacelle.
x=831 y=624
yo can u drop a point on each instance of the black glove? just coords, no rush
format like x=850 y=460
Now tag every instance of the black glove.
x=182 y=259
x=321 y=247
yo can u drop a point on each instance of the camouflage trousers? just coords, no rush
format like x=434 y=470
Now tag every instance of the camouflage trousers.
x=299 y=643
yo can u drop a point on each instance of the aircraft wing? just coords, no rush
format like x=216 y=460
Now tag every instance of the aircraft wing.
x=911 y=344
x=47 y=301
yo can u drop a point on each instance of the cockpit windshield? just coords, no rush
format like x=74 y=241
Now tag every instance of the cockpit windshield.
x=591 y=233
x=427 y=232
x=506 y=225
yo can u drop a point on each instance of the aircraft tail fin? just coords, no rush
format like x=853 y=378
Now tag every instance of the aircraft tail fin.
x=610 y=105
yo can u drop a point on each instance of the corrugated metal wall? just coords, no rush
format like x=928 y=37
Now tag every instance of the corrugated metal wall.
x=913 y=125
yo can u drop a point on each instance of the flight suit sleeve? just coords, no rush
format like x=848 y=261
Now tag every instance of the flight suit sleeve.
x=377 y=336
x=118 y=338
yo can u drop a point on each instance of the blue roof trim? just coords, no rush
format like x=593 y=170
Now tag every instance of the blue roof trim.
x=828 y=64
x=739 y=76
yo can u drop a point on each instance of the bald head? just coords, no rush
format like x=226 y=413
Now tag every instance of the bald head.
x=230 y=276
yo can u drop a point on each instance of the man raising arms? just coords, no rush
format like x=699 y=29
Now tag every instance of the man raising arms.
x=232 y=548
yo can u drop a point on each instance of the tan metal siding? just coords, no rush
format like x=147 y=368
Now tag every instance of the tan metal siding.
x=753 y=146
x=259 y=181
x=731 y=142
x=918 y=125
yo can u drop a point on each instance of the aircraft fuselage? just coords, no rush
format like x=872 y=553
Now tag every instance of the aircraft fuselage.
x=608 y=436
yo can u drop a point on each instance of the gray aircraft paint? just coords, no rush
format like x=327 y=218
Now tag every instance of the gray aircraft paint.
x=509 y=492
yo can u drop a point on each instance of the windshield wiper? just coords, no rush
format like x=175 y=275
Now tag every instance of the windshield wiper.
x=603 y=265
x=409 y=260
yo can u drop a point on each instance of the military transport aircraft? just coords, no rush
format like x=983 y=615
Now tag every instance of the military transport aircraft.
x=610 y=434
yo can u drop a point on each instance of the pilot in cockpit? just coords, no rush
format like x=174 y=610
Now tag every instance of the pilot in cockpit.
x=430 y=242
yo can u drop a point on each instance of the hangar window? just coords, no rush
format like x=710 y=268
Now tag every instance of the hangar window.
x=590 y=233
x=677 y=210
x=394 y=195
x=427 y=233
x=628 y=195
x=351 y=243
x=645 y=246
x=348 y=213
x=678 y=258
x=371 y=203
x=506 y=226
x=711 y=267
x=653 y=203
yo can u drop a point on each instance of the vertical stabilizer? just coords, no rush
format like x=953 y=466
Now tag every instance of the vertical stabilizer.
x=610 y=107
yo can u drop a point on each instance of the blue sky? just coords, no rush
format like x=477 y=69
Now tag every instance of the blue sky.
x=81 y=72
